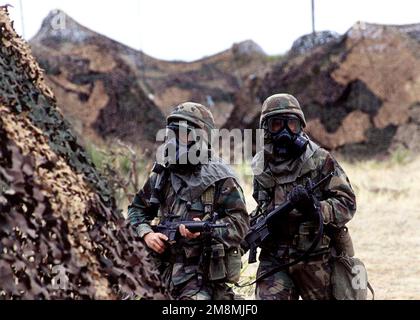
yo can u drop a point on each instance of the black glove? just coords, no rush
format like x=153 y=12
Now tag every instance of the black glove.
x=303 y=201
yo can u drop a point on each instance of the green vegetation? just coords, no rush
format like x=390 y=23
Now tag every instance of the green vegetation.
x=97 y=157
x=401 y=156
x=125 y=168
x=275 y=58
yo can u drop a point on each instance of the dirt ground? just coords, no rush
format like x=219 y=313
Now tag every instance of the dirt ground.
x=385 y=229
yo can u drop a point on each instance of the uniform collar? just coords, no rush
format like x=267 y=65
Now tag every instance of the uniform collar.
x=190 y=186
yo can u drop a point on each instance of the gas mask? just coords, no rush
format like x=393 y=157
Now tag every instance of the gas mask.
x=284 y=134
x=184 y=147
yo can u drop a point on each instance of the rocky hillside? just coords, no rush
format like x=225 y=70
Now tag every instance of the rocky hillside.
x=108 y=89
x=60 y=235
x=359 y=90
x=97 y=82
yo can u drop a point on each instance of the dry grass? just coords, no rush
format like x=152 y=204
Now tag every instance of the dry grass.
x=385 y=229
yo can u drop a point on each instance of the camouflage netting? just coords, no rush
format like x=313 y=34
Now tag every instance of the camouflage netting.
x=60 y=236
x=360 y=93
x=310 y=41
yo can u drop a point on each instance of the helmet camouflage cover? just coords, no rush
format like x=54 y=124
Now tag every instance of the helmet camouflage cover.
x=195 y=113
x=281 y=104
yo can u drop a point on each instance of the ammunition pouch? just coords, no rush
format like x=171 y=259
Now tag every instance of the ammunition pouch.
x=341 y=242
x=233 y=264
x=192 y=254
x=224 y=264
x=306 y=235
x=217 y=268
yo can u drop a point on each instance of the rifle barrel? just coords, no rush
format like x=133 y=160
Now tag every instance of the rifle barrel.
x=199 y=226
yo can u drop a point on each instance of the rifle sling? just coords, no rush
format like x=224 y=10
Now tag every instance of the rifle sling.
x=306 y=254
x=302 y=257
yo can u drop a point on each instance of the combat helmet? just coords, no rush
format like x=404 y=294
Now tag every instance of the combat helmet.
x=195 y=113
x=281 y=104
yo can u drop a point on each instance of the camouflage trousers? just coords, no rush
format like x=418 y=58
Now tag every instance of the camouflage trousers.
x=196 y=289
x=310 y=280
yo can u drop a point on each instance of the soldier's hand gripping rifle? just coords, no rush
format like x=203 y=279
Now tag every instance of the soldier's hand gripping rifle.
x=260 y=230
x=171 y=229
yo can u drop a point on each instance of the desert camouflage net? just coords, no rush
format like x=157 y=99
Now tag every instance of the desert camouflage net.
x=60 y=235
x=360 y=92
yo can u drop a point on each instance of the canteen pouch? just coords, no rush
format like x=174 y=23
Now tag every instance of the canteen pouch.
x=341 y=242
x=349 y=278
x=217 y=269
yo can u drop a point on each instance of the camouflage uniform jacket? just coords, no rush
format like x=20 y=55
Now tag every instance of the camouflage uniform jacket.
x=181 y=200
x=296 y=233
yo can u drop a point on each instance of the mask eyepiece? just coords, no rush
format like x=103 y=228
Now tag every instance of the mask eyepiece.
x=277 y=124
x=182 y=131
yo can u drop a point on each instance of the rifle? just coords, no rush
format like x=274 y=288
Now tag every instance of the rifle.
x=259 y=231
x=171 y=229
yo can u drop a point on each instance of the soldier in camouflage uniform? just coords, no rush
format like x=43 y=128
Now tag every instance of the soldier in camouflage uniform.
x=197 y=267
x=290 y=159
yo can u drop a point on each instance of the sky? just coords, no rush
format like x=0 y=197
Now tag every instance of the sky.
x=191 y=29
